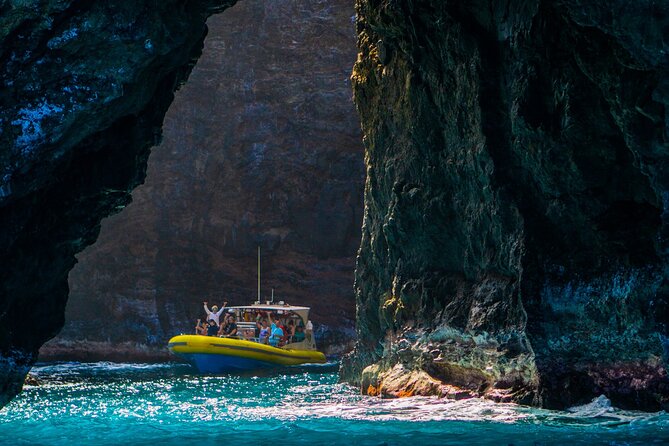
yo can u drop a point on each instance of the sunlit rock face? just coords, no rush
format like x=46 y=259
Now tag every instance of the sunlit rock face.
x=85 y=86
x=515 y=231
x=262 y=147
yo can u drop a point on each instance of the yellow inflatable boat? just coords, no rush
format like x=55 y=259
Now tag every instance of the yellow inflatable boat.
x=211 y=354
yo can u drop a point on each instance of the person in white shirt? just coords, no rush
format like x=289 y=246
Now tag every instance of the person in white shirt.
x=309 y=331
x=214 y=314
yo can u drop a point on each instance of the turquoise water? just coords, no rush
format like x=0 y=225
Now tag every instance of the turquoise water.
x=128 y=404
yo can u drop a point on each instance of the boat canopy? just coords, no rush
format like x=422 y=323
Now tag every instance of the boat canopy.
x=302 y=312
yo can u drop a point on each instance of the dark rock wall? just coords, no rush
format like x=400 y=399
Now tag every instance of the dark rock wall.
x=261 y=147
x=85 y=86
x=514 y=240
x=514 y=232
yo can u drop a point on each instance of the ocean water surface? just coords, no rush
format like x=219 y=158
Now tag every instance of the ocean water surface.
x=168 y=404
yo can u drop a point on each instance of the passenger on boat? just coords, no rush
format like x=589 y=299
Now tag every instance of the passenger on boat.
x=276 y=334
x=215 y=313
x=224 y=323
x=212 y=328
x=263 y=335
x=200 y=328
x=299 y=334
x=309 y=330
x=290 y=331
x=230 y=327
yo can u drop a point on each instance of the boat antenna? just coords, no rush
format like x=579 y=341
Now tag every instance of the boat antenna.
x=258 y=273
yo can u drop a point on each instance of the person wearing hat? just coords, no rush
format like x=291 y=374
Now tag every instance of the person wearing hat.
x=214 y=314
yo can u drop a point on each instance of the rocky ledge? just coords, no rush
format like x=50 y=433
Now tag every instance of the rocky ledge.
x=516 y=207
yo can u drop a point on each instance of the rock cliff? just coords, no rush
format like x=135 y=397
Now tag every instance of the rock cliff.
x=514 y=240
x=85 y=86
x=261 y=147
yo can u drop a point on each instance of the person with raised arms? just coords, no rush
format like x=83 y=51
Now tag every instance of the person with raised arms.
x=214 y=314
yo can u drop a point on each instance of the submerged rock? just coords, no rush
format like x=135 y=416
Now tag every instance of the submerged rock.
x=32 y=380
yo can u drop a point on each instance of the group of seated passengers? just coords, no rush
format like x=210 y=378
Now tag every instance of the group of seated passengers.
x=278 y=334
x=213 y=326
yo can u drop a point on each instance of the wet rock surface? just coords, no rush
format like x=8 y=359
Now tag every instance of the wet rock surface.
x=85 y=86
x=514 y=238
x=514 y=241
x=262 y=147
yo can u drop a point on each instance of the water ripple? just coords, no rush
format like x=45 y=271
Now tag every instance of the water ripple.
x=106 y=403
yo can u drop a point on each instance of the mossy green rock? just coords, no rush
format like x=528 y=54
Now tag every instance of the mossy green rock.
x=516 y=198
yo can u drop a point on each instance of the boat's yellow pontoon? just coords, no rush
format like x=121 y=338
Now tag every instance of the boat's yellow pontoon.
x=210 y=354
